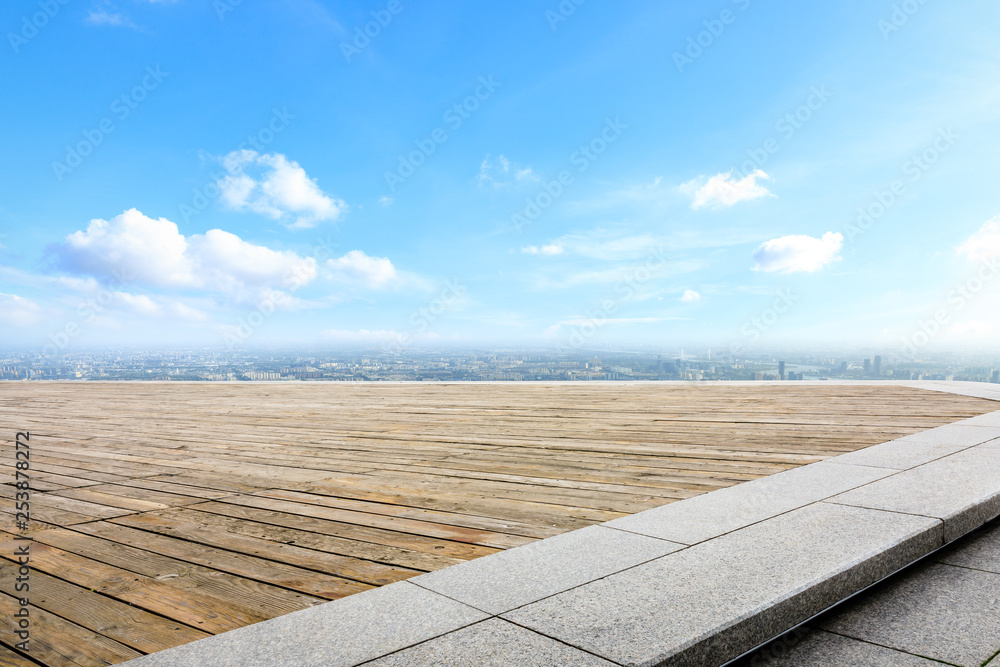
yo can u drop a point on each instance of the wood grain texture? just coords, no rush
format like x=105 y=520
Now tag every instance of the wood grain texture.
x=165 y=512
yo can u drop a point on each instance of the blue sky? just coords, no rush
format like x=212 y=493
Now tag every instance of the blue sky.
x=521 y=173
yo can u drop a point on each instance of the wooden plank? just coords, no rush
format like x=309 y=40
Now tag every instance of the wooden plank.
x=56 y=641
x=10 y=658
x=165 y=521
x=131 y=626
x=52 y=501
x=451 y=518
x=241 y=564
x=389 y=538
x=109 y=500
x=390 y=523
x=198 y=597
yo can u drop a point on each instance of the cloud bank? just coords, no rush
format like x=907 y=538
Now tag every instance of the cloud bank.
x=155 y=253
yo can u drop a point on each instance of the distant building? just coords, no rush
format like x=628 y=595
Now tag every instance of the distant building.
x=877 y=366
x=867 y=368
x=843 y=367
x=996 y=377
x=781 y=370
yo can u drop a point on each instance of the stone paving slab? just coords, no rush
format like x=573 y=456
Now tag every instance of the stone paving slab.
x=713 y=514
x=710 y=515
x=944 y=608
x=816 y=481
x=977 y=389
x=902 y=454
x=716 y=600
x=988 y=419
x=938 y=611
x=960 y=433
x=823 y=649
x=980 y=551
x=963 y=490
x=492 y=643
x=515 y=577
x=353 y=630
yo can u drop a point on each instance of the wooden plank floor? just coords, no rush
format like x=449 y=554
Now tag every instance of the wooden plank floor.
x=163 y=513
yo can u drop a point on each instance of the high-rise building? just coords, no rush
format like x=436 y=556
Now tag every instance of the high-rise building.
x=781 y=370
x=877 y=366
x=867 y=368
x=843 y=367
x=996 y=377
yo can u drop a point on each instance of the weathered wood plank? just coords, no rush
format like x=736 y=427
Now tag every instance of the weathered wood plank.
x=124 y=623
x=56 y=641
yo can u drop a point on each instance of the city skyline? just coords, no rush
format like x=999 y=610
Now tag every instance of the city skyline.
x=395 y=364
x=538 y=175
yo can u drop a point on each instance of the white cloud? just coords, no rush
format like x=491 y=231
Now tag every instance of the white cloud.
x=281 y=190
x=612 y=245
x=503 y=173
x=18 y=311
x=386 y=200
x=549 y=249
x=104 y=13
x=356 y=266
x=724 y=190
x=791 y=254
x=155 y=253
x=230 y=262
x=186 y=312
x=77 y=284
x=690 y=296
x=138 y=304
x=985 y=243
x=971 y=328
